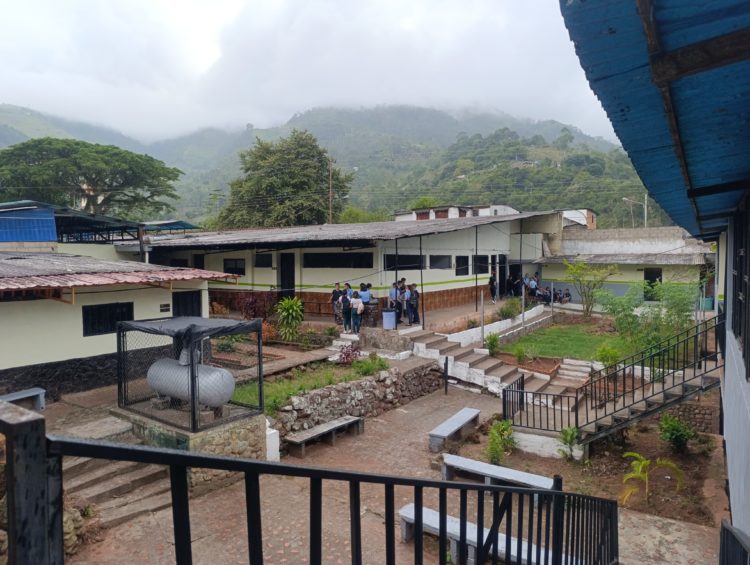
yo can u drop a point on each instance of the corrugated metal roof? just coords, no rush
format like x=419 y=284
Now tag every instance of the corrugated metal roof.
x=710 y=107
x=375 y=231
x=628 y=259
x=61 y=270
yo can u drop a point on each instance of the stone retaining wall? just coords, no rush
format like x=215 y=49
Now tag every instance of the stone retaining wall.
x=378 y=338
x=369 y=396
x=699 y=415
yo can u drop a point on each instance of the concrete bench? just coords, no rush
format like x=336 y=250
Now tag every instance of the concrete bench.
x=493 y=474
x=453 y=428
x=326 y=431
x=36 y=394
x=431 y=525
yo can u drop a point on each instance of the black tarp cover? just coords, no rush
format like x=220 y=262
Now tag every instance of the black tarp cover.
x=192 y=329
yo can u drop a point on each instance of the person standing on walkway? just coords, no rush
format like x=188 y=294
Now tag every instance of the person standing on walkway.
x=405 y=302
x=357 y=309
x=336 y=294
x=346 y=312
x=414 y=305
x=493 y=286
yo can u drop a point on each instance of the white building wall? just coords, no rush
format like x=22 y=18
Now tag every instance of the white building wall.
x=43 y=331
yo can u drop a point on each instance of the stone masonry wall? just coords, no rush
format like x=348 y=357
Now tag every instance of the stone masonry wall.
x=700 y=415
x=369 y=396
x=240 y=438
x=378 y=338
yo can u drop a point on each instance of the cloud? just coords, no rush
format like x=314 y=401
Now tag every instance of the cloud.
x=154 y=68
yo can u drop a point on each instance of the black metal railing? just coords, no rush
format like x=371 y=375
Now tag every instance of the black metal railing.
x=735 y=546
x=671 y=369
x=513 y=398
x=525 y=525
x=540 y=410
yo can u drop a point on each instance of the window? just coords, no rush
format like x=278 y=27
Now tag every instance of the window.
x=337 y=260
x=234 y=266
x=199 y=261
x=481 y=264
x=462 y=265
x=423 y=215
x=440 y=262
x=102 y=318
x=263 y=260
x=186 y=303
x=178 y=262
x=405 y=262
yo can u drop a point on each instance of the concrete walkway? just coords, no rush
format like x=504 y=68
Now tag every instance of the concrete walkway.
x=393 y=443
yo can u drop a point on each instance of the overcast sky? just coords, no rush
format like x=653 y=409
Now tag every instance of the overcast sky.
x=157 y=68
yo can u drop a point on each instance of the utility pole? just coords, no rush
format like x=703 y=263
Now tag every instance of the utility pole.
x=330 y=190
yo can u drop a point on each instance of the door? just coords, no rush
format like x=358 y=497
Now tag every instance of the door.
x=286 y=275
x=502 y=275
x=187 y=303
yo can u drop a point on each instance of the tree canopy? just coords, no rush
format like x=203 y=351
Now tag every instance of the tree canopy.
x=101 y=179
x=285 y=184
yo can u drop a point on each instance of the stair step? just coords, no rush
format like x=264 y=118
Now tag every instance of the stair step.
x=447 y=347
x=75 y=466
x=103 y=428
x=113 y=517
x=99 y=475
x=461 y=352
x=567 y=383
x=430 y=340
x=533 y=384
x=552 y=389
x=503 y=372
x=489 y=364
x=413 y=331
x=474 y=358
x=348 y=337
x=122 y=483
x=579 y=375
x=145 y=491
x=576 y=362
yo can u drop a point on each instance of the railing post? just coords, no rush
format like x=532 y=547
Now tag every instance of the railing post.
x=576 y=409
x=558 y=520
x=445 y=374
x=29 y=523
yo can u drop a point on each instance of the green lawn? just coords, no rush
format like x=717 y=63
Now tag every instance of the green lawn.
x=277 y=392
x=577 y=341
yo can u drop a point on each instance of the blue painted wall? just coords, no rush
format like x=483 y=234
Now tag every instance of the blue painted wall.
x=36 y=224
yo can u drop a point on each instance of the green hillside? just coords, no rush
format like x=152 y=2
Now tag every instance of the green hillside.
x=397 y=153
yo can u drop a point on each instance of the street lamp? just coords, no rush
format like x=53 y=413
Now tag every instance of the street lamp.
x=645 y=208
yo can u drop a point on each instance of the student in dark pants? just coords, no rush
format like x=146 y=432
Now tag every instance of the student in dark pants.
x=413 y=305
x=346 y=312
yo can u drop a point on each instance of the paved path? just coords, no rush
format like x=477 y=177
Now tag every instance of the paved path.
x=395 y=443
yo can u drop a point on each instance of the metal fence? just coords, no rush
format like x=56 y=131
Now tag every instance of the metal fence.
x=493 y=522
x=213 y=381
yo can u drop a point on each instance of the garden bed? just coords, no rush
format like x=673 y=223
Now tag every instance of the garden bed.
x=545 y=365
x=700 y=501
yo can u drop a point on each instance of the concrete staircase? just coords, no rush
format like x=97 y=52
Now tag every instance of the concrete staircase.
x=473 y=365
x=120 y=490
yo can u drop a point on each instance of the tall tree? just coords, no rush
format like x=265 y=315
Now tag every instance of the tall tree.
x=285 y=184
x=101 y=179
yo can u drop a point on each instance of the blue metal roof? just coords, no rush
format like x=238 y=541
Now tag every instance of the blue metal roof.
x=711 y=107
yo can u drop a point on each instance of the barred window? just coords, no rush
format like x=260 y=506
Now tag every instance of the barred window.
x=462 y=265
x=102 y=319
x=405 y=262
x=234 y=266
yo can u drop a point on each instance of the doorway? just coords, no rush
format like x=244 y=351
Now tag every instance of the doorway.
x=286 y=275
x=187 y=303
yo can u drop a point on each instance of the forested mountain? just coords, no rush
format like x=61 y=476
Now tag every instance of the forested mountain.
x=396 y=153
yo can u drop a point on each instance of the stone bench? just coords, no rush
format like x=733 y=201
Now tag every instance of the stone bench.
x=36 y=394
x=493 y=474
x=431 y=525
x=454 y=427
x=327 y=431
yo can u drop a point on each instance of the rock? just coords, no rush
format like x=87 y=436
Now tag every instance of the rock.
x=4 y=512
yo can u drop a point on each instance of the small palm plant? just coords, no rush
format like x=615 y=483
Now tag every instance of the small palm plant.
x=291 y=312
x=568 y=439
x=641 y=470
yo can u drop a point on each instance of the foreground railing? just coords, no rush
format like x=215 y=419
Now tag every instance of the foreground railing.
x=525 y=525
x=735 y=546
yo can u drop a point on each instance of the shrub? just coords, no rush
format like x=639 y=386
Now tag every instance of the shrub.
x=471 y=323
x=641 y=469
x=510 y=309
x=348 y=353
x=291 y=313
x=332 y=331
x=524 y=353
x=228 y=343
x=268 y=331
x=500 y=441
x=492 y=343
x=369 y=366
x=675 y=432
x=218 y=309
x=607 y=355
x=568 y=439
x=657 y=376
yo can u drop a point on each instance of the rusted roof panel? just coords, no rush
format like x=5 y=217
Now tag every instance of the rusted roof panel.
x=628 y=259
x=61 y=270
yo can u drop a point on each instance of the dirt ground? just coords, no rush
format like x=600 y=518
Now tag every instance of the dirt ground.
x=700 y=501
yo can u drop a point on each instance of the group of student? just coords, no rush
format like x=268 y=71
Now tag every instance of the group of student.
x=404 y=299
x=349 y=305
x=534 y=291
